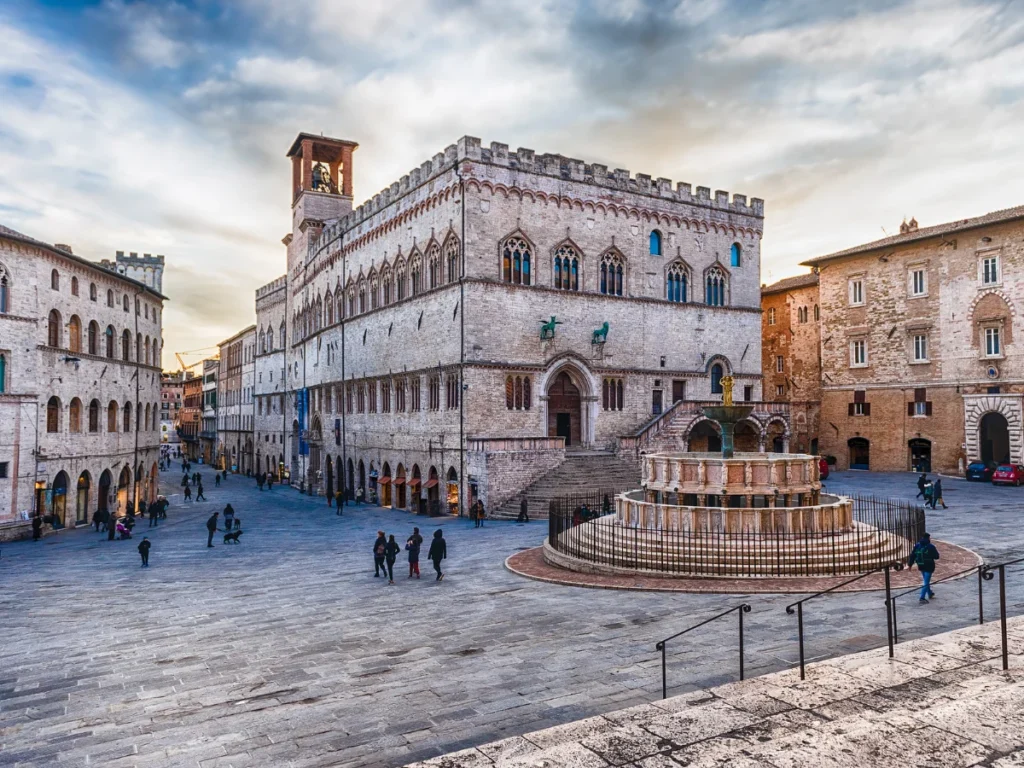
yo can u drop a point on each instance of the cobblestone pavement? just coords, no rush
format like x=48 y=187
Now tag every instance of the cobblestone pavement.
x=286 y=651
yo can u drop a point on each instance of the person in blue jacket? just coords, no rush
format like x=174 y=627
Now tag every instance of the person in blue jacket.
x=924 y=556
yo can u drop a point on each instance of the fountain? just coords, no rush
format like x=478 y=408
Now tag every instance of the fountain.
x=728 y=416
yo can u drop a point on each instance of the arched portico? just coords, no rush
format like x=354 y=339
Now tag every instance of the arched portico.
x=569 y=402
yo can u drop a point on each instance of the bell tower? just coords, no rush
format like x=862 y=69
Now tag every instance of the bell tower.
x=321 y=187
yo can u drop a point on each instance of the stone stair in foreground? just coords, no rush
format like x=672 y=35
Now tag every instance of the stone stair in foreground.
x=943 y=701
x=581 y=472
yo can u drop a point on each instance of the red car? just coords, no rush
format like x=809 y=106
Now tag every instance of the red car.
x=1008 y=474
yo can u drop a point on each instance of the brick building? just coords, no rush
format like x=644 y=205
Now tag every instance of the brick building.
x=208 y=433
x=920 y=365
x=791 y=355
x=416 y=364
x=236 y=402
x=79 y=385
x=190 y=417
x=172 y=392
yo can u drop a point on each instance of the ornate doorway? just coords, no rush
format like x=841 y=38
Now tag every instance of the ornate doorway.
x=565 y=417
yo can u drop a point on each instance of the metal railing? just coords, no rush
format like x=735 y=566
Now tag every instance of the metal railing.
x=888 y=531
x=987 y=574
x=799 y=605
x=891 y=600
x=661 y=646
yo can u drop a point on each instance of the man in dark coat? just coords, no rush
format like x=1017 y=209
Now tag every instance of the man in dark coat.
x=379 y=550
x=922 y=481
x=211 y=528
x=523 y=516
x=438 y=552
x=924 y=556
x=154 y=513
x=144 y=546
x=37 y=528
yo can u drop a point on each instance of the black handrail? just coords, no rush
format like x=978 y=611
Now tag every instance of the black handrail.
x=987 y=574
x=981 y=608
x=896 y=565
x=742 y=608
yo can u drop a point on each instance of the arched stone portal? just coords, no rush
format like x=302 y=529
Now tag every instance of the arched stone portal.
x=994 y=438
x=82 y=506
x=59 y=503
x=565 y=413
x=976 y=409
x=569 y=402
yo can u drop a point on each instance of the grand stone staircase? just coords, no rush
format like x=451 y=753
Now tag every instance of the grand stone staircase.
x=581 y=472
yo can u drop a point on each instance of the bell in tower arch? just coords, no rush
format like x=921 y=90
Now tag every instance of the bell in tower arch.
x=322 y=181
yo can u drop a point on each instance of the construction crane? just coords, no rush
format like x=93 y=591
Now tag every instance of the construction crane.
x=202 y=356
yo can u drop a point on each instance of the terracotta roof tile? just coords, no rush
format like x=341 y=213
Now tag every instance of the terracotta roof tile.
x=790 y=283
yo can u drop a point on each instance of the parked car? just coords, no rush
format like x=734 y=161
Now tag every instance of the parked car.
x=1008 y=474
x=980 y=470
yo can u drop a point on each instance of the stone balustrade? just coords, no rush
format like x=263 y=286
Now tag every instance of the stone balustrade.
x=836 y=514
x=744 y=475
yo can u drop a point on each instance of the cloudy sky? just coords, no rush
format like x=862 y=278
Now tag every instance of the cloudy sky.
x=161 y=127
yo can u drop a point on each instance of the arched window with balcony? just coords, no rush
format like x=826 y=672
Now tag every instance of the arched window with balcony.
x=516 y=260
x=55 y=280
x=715 y=287
x=75 y=334
x=612 y=269
x=567 y=265
x=451 y=256
x=53 y=329
x=94 y=416
x=53 y=415
x=677 y=283
x=655 y=243
x=112 y=416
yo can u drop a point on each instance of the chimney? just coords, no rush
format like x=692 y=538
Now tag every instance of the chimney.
x=63 y=247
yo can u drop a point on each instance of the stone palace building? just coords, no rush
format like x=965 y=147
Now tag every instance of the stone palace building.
x=493 y=315
x=80 y=347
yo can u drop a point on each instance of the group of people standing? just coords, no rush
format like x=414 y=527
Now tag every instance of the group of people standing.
x=931 y=491
x=265 y=478
x=386 y=549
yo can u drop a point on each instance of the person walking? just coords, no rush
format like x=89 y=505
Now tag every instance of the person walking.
x=338 y=497
x=937 y=494
x=922 y=481
x=96 y=520
x=379 y=548
x=154 y=513
x=111 y=527
x=229 y=517
x=144 y=546
x=391 y=551
x=211 y=528
x=480 y=512
x=270 y=482
x=438 y=552
x=37 y=528
x=216 y=480
x=259 y=481
x=199 y=492
x=413 y=545
x=359 y=495
x=924 y=556
x=474 y=512
x=524 y=517
x=188 y=493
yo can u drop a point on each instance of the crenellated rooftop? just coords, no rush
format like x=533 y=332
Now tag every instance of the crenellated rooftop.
x=274 y=285
x=554 y=166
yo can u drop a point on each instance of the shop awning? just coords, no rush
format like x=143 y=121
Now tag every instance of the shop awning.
x=398 y=481
x=414 y=481
x=383 y=480
x=431 y=483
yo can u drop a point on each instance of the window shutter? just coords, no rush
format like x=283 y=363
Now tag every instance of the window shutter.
x=867 y=409
x=920 y=395
x=928 y=408
x=910 y=409
x=858 y=396
x=850 y=412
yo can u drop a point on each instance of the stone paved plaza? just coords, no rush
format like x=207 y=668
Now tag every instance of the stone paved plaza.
x=286 y=651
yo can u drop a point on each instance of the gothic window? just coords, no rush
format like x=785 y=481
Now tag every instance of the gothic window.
x=716 y=379
x=284 y=338
x=518 y=393
x=735 y=255
x=53 y=329
x=318 y=314
x=714 y=287
x=385 y=280
x=110 y=298
x=3 y=373
x=74 y=286
x=92 y=291
x=138 y=347
x=75 y=415
x=112 y=417
x=55 y=280
x=385 y=397
x=351 y=302
x=434 y=264
x=452 y=391
x=362 y=295
x=372 y=392
x=515 y=260
x=434 y=393
x=361 y=399
x=329 y=308
x=5 y=292
x=127 y=417
x=94 y=338
x=126 y=345
x=415 y=390
x=612 y=394
x=94 y=416
x=415 y=274
x=53 y=415
x=75 y=334
x=567 y=269
x=374 y=291
x=611 y=273
x=147 y=358
x=655 y=243
x=817 y=313
x=676 y=283
x=125 y=302
x=263 y=341
x=451 y=254
x=400 y=396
